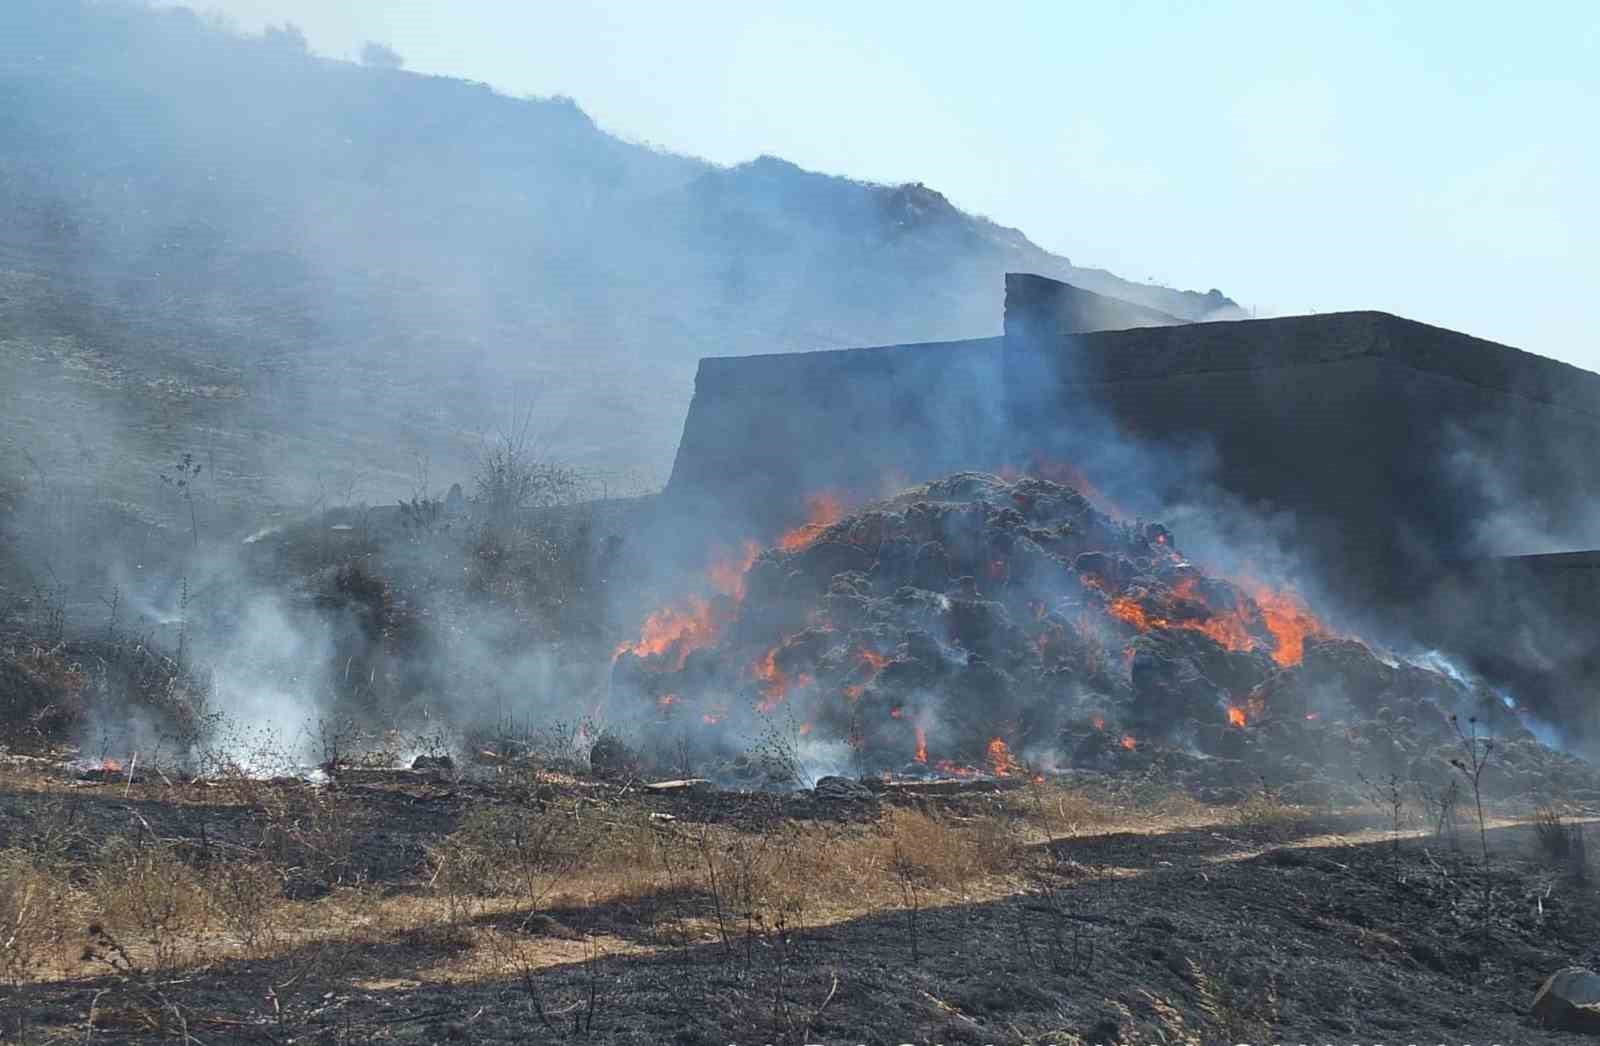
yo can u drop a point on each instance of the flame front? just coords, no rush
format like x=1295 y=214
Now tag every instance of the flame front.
x=822 y=511
x=681 y=630
x=1000 y=758
x=676 y=630
x=774 y=681
x=727 y=575
x=1290 y=623
x=1286 y=618
x=1236 y=715
x=922 y=745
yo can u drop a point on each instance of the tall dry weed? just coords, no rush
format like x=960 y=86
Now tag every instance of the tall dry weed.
x=31 y=902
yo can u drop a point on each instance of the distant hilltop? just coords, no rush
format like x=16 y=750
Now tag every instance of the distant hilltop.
x=272 y=240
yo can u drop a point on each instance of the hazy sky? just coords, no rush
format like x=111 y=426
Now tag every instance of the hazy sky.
x=1437 y=160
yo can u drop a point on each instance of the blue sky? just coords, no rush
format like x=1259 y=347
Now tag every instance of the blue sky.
x=1436 y=160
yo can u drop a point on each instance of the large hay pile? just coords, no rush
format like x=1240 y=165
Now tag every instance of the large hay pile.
x=979 y=624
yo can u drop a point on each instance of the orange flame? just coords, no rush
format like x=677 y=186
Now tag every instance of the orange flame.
x=1099 y=722
x=1000 y=758
x=678 y=630
x=1290 y=623
x=1129 y=742
x=775 y=682
x=666 y=701
x=1227 y=627
x=873 y=660
x=110 y=766
x=727 y=575
x=822 y=511
x=1128 y=610
x=922 y=745
x=1236 y=715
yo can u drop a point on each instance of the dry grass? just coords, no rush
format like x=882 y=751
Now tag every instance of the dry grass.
x=32 y=940
x=485 y=891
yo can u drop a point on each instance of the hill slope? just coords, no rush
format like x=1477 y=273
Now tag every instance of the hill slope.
x=318 y=273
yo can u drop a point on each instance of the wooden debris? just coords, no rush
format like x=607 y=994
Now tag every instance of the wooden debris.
x=945 y=785
x=688 y=784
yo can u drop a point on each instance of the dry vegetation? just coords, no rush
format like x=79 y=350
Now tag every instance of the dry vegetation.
x=396 y=906
x=524 y=899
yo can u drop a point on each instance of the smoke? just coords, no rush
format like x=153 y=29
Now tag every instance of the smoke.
x=345 y=267
x=271 y=671
x=312 y=277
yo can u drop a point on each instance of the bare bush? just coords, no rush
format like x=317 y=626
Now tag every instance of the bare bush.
x=155 y=899
x=1476 y=750
x=42 y=696
x=521 y=854
x=513 y=479
x=311 y=837
x=246 y=895
x=1555 y=841
x=1443 y=807
x=30 y=900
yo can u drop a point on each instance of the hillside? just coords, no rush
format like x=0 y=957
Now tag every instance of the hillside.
x=314 y=270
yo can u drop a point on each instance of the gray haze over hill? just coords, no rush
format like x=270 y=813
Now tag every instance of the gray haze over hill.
x=314 y=275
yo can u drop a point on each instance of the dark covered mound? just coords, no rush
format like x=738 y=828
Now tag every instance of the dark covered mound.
x=975 y=623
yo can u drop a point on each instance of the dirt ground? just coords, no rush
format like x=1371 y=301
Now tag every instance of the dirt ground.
x=389 y=907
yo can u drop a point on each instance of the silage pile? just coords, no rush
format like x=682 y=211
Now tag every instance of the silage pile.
x=979 y=625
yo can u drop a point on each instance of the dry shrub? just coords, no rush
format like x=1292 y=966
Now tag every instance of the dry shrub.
x=515 y=853
x=940 y=850
x=1262 y=807
x=41 y=697
x=526 y=571
x=246 y=896
x=1056 y=810
x=151 y=899
x=31 y=901
x=756 y=871
x=1552 y=833
x=310 y=834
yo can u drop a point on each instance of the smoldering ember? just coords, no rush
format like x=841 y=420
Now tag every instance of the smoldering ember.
x=466 y=576
x=980 y=624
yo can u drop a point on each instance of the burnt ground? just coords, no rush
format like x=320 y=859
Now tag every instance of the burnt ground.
x=1273 y=924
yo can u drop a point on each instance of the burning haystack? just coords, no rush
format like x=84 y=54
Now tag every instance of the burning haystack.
x=983 y=624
